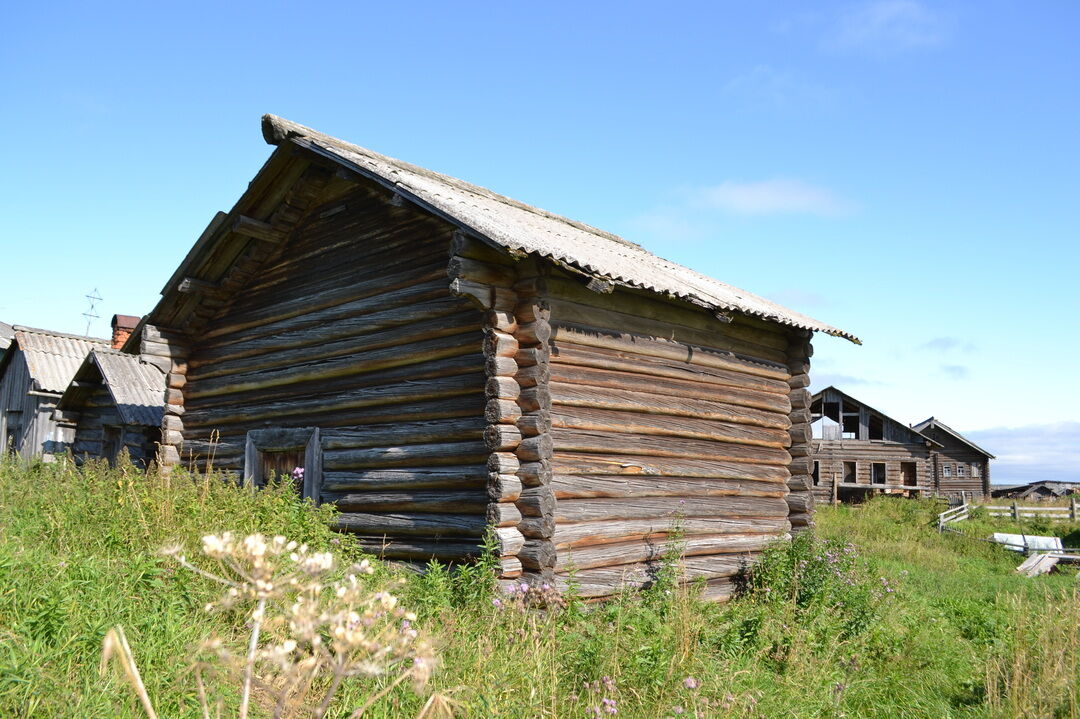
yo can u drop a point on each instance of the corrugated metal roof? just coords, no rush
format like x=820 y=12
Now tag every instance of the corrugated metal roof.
x=137 y=388
x=518 y=227
x=6 y=333
x=53 y=357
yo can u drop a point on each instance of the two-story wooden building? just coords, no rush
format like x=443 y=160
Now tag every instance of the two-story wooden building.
x=958 y=464
x=444 y=362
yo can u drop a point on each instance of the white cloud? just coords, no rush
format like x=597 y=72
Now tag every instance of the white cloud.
x=1032 y=452
x=955 y=371
x=764 y=86
x=771 y=197
x=885 y=26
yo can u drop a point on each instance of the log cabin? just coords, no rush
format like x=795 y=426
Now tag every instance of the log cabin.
x=959 y=466
x=445 y=363
x=34 y=372
x=114 y=404
x=858 y=451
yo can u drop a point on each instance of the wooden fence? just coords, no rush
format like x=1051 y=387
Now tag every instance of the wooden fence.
x=1016 y=512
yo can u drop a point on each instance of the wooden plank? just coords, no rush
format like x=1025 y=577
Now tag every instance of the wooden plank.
x=607 y=443
x=671 y=508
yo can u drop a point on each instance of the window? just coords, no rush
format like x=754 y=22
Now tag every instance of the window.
x=877 y=427
x=961 y=470
x=976 y=470
x=946 y=471
x=817 y=473
x=877 y=473
x=295 y=453
x=909 y=474
x=850 y=473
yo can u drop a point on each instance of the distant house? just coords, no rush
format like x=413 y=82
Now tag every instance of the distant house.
x=1043 y=489
x=959 y=465
x=114 y=403
x=34 y=372
x=443 y=361
x=858 y=450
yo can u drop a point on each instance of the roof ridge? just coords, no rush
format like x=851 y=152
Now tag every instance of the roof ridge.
x=53 y=333
x=276 y=129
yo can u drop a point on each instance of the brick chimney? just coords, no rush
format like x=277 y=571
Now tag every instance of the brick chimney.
x=122 y=326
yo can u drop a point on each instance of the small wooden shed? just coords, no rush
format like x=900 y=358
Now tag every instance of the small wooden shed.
x=443 y=361
x=114 y=402
x=34 y=371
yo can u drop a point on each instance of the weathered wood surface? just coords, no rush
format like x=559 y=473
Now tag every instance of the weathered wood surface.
x=605 y=581
x=651 y=549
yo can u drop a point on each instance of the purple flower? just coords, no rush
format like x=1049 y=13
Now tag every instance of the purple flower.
x=298 y=474
x=691 y=683
x=496 y=603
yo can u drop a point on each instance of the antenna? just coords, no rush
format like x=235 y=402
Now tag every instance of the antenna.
x=90 y=314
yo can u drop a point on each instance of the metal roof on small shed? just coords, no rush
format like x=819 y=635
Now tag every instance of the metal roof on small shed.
x=53 y=358
x=138 y=388
x=520 y=228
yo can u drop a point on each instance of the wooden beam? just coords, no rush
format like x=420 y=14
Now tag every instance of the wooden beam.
x=250 y=227
x=193 y=285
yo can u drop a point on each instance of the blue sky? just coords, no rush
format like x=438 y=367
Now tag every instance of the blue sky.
x=905 y=170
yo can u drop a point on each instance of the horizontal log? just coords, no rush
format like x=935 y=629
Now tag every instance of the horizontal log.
x=482 y=295
x=509 y=567
x=568 y=395
x=535 y=474
x=584 y=486
x=537 y=554
x=581 y=534
x=174 y=380
x=673 y=508
x=407 y=524
x=502 y=388
x=563 y=312
x=630 y=463
x=503 y=463
x=534 y=423
x=799 y=381
x=681 y=388
x=374 y=321
x=413 y=478
x=508 y=541
x=666 y=349
x=635 y=310
x=501 y=320
x=420 y=551
x=719 y=590
x=501 y=411
x=650 y=550
x=532 y=449
x=403 y=433
x=632 y=363
x=502 y=437
x=606 y=581
x=456 y=390
x=463 y=502
x=455 y=453
x=503 y=487
x=536 y=501
x=482 y=272
x=531 y=333
x=533 y=375
x=503 y=514
x=532 y=356
x=532 y=310
x=537 y=527
x=800 y=502
x=534 y=399
x=574 y=440
x=499 y=344
x=602 y=420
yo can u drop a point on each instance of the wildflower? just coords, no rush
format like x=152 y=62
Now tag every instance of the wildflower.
x=677 y=710
x=496 y=603
x=691 y=683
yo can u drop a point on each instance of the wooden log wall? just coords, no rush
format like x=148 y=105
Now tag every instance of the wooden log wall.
x=800 y=499
x=955 y=454
x=98 y=411
x=664 y=417
x=353 y=329
x=831 y=455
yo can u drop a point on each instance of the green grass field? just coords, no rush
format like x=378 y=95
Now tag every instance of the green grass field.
x=877 y=616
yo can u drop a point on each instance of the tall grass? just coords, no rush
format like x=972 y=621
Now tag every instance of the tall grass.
x=877 y=616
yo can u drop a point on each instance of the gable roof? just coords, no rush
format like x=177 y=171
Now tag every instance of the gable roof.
x=933 y=423
x=521 y=229
x=136 y=387
x=847 y=396
x=52 y=358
